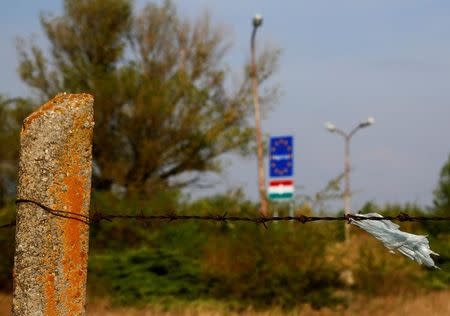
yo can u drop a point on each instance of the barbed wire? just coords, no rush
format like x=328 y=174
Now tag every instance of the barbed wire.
x=98 y=217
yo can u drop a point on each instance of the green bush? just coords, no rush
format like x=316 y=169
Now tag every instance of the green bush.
x=7 y=214
x=231 y=262
x=142 y=275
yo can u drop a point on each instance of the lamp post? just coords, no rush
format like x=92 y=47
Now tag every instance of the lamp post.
x=257 y=22
x=347 y=137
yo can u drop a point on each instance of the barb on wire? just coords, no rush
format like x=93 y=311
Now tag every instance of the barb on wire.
x=97 y=217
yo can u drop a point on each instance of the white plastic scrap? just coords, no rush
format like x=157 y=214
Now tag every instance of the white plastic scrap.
x=415 y=247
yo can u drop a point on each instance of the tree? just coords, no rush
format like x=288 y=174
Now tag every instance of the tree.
x=12 y=113
x=318 y=201
x=164 y=109
x=442 y=191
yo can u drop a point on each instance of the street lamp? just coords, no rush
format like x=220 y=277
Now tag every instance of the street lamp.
x=257 y=22
x=347 y=137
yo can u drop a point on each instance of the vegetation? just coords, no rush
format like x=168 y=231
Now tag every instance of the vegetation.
x=166 y=110
x=442 y=192
x=241 y=264
x=244 y=264
x=12 y=113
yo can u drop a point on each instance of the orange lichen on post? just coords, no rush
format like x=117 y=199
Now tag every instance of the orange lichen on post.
x=75 y=257
x=49 y=291
x=55 y=170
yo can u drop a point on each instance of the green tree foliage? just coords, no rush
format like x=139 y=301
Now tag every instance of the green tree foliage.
x=12 y=113
x=442 y=191
x=440 y=231
x=318 y=201
x=165 y=105
x=441 y=207
x=7 y=214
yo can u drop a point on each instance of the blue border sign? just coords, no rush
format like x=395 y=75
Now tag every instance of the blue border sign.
x=281 y=156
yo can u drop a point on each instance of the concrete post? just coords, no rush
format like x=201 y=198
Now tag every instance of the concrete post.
x=50 y=263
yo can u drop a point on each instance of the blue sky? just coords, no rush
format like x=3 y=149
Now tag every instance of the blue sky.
x=341 y=61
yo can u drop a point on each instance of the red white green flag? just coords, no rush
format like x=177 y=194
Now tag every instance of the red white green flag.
x=281 y=189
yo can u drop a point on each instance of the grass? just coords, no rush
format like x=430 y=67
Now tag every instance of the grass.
x=435 y=303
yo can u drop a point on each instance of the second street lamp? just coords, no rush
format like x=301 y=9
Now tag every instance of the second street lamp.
x=257 y=22
x=347 y=137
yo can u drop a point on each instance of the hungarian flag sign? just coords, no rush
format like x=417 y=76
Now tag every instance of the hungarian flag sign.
x=281 y=189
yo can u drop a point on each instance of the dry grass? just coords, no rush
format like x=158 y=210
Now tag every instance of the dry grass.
x=436 y=303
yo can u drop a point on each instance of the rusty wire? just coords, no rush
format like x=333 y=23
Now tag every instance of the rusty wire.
x=97 y=217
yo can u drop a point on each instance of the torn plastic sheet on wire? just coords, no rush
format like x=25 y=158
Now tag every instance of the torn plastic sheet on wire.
x=415 y=247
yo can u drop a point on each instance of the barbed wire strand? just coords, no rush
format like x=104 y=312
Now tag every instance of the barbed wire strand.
x=97 y=217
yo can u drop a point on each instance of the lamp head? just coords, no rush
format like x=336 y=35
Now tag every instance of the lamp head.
x=330 y=127
x=257 y=20
x=370 y=121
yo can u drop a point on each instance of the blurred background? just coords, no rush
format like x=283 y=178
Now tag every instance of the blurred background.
x=175 y=86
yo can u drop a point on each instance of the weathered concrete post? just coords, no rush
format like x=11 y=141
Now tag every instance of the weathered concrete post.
x=50 y=263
